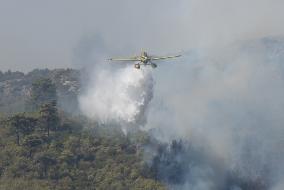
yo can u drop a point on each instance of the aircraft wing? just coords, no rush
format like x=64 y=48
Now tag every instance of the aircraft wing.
x=166 y=57
x=124 y=59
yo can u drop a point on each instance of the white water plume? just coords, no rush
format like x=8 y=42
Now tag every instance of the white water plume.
x=118 y=95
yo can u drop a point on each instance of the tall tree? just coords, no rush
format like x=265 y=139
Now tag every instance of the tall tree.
x=44 y=161
x=21 y=125
x=49 y=117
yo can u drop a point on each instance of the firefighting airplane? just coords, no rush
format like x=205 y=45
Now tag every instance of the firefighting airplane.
x=143 y=59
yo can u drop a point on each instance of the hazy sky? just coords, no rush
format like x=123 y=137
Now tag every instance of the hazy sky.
x=41 y=33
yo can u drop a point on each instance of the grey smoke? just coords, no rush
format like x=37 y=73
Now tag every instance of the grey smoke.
x=230 y=104
x=226 y=101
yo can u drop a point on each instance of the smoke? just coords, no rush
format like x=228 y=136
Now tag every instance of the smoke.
x=228 y=103
x=225 y=104
x=119 y=95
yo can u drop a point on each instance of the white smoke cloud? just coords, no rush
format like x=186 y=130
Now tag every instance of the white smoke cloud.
x=118 y=95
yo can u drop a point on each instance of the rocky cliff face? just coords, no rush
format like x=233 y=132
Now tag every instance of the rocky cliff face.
x=15 y=88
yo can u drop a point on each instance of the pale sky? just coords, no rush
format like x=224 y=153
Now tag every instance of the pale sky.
x=41 y=33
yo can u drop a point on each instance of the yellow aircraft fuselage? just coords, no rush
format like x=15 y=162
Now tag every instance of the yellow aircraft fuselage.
x=144 y=57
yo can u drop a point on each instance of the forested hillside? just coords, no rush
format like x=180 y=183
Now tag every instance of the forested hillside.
x=45 y=144
x=44 y=147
